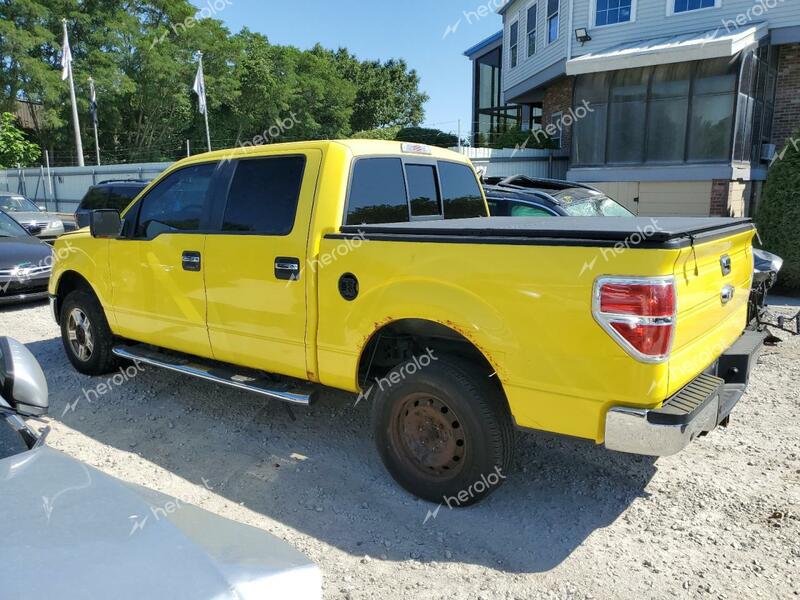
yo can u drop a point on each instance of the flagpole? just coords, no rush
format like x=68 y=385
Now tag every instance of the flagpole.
x=94 y=119
x=205 y=112
x=75 y=123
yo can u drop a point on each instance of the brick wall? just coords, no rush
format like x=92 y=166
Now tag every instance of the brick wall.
x=558 y=98
x=787 y=95
x=720 y=192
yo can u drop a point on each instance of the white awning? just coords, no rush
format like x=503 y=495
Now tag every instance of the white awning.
x=684 y=47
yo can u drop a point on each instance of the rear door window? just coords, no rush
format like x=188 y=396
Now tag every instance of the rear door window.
x=178 y=203
x=263 y=195
x=95 y=198
x=377 y=192
x=461 y=193
x=423 y=190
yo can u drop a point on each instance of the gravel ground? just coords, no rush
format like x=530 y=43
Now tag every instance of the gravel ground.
x=719 y=520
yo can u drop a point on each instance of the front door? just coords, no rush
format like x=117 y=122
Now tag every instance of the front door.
x=157 y=269
x=255 y=267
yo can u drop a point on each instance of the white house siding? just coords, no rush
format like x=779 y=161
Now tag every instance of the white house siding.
x=651 y=21
x=545 y=54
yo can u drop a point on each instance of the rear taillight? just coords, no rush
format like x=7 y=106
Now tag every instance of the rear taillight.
x=639 y=313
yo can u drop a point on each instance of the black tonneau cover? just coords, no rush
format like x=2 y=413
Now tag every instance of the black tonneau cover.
x=639 y=231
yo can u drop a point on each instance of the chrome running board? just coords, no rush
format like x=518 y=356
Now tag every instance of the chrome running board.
x=240 y=378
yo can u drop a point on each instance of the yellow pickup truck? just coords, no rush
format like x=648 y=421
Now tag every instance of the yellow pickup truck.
x=373 y=267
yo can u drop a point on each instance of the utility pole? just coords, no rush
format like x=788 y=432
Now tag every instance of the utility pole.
x=93 y=110
x=66 y=73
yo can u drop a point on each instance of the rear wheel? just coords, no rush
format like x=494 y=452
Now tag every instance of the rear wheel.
x=85 y=333
x=443 y=432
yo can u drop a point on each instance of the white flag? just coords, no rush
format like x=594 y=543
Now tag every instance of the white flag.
x=66 y=57
x=200 y=88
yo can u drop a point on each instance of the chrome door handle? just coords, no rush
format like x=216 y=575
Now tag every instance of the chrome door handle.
x=287 y=268
x=727 y=293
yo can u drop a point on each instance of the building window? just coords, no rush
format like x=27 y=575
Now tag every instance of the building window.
x=611 y=12
x=531 y=30
x=676 y=113
x=556 y=119
x=712 y=110
x=682 y=6
x=755 y=104
x=552 y=21
x=491 y=116
x=514 y=43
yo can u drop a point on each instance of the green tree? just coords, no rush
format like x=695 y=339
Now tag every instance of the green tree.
x=15 y=150
x=778 y=212
x=422 y=135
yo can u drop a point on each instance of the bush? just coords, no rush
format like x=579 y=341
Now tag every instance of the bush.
x=432 y=137
x=384 y=133
x=778 y=213
x=517 y=138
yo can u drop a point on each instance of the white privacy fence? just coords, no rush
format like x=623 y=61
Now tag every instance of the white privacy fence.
x=61 y=188
x=551 y=164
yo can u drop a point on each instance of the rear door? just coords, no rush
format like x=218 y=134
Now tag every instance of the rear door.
x=256 y=269
x=157 y=268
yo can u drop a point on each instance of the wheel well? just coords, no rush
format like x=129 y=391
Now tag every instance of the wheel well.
x=402 y=340
x=69 y=282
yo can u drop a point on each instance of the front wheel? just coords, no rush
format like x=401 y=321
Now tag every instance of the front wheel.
x=85 y=333
x=444 y=431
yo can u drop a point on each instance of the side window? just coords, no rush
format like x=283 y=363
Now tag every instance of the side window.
x=377 y=192
x=423 y=190
x=526 y=210
x=95 y=198
x=177 y=203
x=461 y=193
x=264 y=194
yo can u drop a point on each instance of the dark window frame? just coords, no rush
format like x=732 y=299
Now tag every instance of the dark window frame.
x=553 y=14
x=531 y=31
x=513 y=43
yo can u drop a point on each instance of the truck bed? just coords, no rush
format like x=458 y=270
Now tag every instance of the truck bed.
x=655 y=232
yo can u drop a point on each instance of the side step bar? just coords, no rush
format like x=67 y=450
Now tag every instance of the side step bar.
x=243 y=379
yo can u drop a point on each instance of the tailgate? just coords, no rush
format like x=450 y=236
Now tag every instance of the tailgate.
x=713 y=280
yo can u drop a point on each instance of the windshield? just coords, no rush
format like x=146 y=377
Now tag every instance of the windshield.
x=17 y=204
x=581 y=202
x=10 y=228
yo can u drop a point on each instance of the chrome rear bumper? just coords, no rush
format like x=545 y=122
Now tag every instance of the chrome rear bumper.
x=698 y=408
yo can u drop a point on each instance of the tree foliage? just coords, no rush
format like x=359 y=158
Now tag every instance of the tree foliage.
x=142 y=56
x=15 y=149
x=778 y=212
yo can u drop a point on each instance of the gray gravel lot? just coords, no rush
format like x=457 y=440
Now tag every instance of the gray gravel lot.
x=719 y=520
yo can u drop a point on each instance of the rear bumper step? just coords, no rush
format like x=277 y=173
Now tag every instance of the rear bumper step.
x=698 y=408
x=240 y=378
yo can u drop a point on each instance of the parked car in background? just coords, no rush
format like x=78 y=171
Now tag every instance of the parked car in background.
x=31 y=216
x=25 y=263
x=61 y=517
x=116 y=194
x=521 y=196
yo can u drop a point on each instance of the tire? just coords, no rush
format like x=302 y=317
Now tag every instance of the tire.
x=93 y=334
x=443 y=432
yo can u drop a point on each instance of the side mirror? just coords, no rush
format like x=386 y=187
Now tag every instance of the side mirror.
x=22 y=382
x=105 y=223
x=42 y=208
x=33 y=229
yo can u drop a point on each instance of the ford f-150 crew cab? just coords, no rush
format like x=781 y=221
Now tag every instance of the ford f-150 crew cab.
x=373 y=267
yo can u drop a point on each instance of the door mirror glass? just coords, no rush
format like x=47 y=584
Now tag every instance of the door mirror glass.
x=105 y=223
x=22 y=383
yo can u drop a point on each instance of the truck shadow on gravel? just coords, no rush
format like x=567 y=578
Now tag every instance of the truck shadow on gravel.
x=321 y=475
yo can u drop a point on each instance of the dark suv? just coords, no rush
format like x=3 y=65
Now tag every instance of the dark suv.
x=116 y=194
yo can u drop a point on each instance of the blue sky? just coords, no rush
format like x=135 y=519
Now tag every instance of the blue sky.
x=413 y=30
